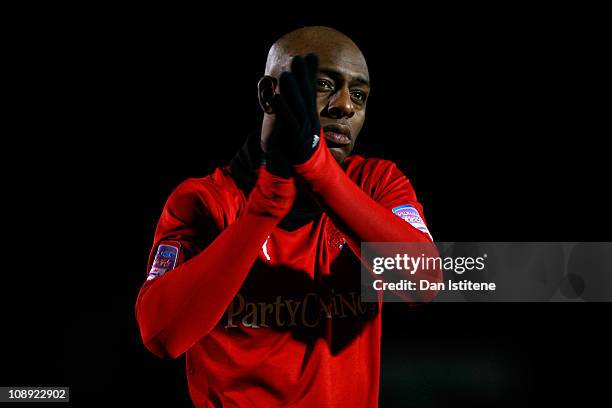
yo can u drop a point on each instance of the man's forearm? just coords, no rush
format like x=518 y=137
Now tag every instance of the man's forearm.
x=362 y=218
x=177 y=309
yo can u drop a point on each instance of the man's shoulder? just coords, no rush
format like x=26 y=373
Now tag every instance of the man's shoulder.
x=217 y=188
x=377 y=176
x=359 y=167
x=219 y=180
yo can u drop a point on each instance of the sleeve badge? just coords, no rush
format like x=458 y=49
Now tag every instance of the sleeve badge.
x=411 y=215
x=165 y=260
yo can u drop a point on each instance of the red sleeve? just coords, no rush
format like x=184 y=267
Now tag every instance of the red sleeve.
x=359 y=216
x=177 y=307
x=391 y=215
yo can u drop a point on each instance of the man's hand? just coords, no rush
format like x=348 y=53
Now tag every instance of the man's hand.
x=275 y=158
x=297 y=130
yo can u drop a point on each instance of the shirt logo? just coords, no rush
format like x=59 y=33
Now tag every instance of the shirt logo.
x=165 y=260
x=411 y=215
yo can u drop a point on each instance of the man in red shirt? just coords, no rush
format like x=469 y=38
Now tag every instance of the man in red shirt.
x=255 y=269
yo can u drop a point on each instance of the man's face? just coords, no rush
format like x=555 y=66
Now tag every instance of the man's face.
x=343 y=88
x=342 y=93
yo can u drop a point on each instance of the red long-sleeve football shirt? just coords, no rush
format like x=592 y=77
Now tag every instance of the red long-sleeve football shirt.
x=271 y=317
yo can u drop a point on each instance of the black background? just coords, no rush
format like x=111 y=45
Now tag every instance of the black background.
x=496 y=116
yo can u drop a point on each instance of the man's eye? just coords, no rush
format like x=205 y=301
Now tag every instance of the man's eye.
x=358 y=95
x=324 y=85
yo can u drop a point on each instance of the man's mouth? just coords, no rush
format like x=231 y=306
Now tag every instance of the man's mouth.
x=337 y=135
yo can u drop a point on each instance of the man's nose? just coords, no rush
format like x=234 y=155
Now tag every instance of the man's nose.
x=341 y=105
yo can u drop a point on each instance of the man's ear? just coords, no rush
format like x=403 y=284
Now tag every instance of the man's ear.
x=266 y=88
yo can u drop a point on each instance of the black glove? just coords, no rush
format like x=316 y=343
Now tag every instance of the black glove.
x=275 y=158
x=297 y=129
